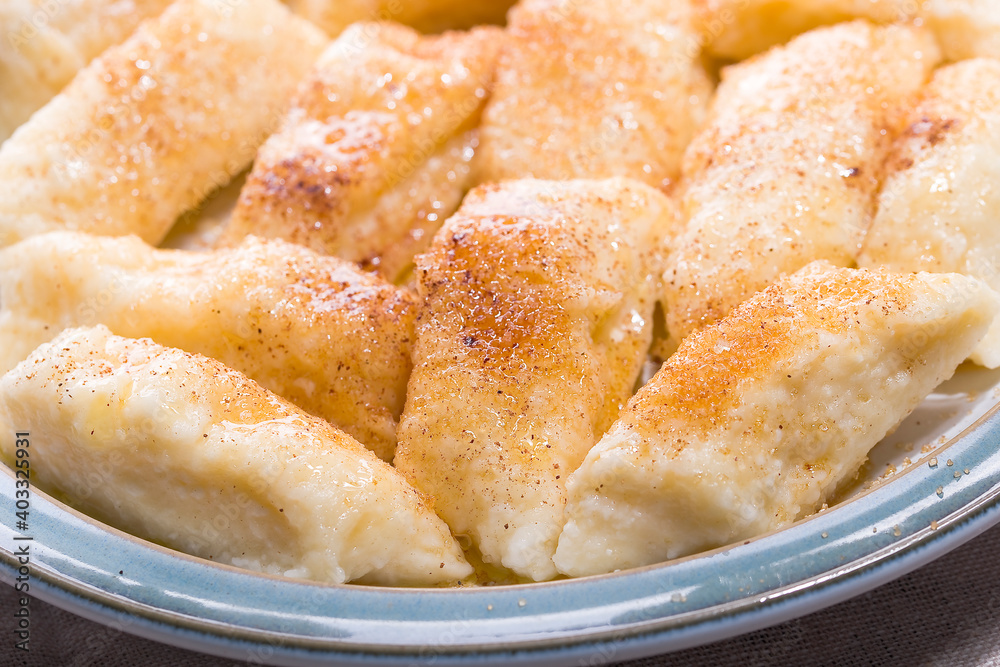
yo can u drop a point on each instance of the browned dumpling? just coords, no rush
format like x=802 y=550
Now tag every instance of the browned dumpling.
x=594 y=89
x=45 y=43
x=424 y=15
x=737 y=29
x=375 y=153
x=786 y=169
x=538 y=305
x=153 y=125
x=939 y=208
x=194 y=455
x=313 y=329
x=754 y=421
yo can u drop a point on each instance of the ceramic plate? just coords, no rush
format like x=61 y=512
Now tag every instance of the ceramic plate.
x=932 y=485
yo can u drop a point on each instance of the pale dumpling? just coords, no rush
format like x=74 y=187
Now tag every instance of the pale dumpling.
x=939 y=208
x=178 y=449
x=45 y=43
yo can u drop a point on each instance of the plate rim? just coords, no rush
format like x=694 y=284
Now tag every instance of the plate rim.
x=973 y=515
x=782 y=606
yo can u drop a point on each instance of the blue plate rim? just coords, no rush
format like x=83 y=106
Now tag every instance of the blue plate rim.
x=640 y=621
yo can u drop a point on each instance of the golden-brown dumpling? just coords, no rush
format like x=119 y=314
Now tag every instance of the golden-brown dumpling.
x=315 y=330
x=737 y=29
x=538 y=313
x=786 y=169
x=594 y=89
x=755 y=420
x=375 y=153
x=424 y=15
x=153 y=125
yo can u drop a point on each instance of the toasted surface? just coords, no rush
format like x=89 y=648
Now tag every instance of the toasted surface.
x=755 y=420
x=315 y=330
x=181 y=450
x=538 y=305
x=594 y=89
x=424 y=15
x=374 y=154
x=939 y=205
x=154 y=124
x=46 y=43
x=737 y=29
x=786 y=169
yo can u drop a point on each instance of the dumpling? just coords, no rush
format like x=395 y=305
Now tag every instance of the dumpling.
x=737 y=29
x=424 y=15
x=594 y=89
x=314 y=330
x=375 y=153
x=939 y=208
x=538 y=305
x=39 y=57
x=755 y=420
x=965 y=28
x=153 y=125
x=786 y=169
x=176 y=448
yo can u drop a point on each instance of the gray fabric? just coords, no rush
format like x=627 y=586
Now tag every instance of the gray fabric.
x=947 y=613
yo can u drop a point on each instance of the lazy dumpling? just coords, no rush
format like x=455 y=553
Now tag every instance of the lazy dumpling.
x=179 y=449
x=538 y=305
x=375 y=152
x=315 y=330
x=424 y=15
x=939 y=207
x=153 y=125
x=965 y=28
x=594 y=89
x=38 y=58
x=754 y=421
x=786 y=168
x=738 y=29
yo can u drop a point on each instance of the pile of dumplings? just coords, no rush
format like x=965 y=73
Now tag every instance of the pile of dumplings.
x=504 y=292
